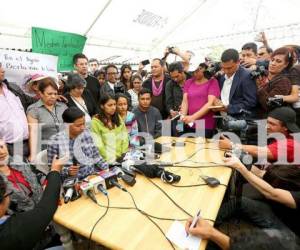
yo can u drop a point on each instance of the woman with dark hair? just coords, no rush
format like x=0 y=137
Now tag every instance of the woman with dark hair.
x=100 y=75
x=199 y=93
x=136 y=84
x=80 y=97
x=47 y=112
x=276 y=83
x=126 y=73
x=129 y=119
x=110 y=133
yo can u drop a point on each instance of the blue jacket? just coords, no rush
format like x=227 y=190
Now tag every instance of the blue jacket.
x=242 y=93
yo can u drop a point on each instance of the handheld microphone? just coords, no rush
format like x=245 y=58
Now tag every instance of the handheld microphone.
x=70 y=191
x=75 y=162
x=68 y=194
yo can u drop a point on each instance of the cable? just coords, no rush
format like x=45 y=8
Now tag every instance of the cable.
x=152 y=216
x=101 y=217
x=174 y=202
x=195 y=185
x=150 y=220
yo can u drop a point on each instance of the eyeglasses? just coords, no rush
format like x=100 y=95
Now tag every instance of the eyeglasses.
x=112 y=73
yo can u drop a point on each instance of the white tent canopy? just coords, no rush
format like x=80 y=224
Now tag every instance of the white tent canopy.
x=132 y=30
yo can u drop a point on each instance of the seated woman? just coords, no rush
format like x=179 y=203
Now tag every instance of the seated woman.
x=129 y=119
x=136 y=86
x=276 y=83
x=20 y=179
x=109 y=131
x=199 y=93
x=80 y=97
x=46 y=114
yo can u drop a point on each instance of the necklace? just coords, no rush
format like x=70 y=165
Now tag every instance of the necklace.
x=157 y=90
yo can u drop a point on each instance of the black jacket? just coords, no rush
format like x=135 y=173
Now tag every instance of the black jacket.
x=93 y=85
x=149 y=122
x=148 y=84
x=174 y=94
x=89 y=102
x=24 y=230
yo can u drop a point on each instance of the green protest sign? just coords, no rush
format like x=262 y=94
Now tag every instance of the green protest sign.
x=61 y=44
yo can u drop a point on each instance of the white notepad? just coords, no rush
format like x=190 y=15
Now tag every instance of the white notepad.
x=177 y=235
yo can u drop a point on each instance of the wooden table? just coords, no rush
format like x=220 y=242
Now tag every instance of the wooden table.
x=129 y=229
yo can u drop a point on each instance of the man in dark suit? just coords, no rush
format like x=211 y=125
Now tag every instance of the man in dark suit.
x=238 y=90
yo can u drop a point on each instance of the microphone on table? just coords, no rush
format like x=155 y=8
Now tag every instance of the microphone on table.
x=70 y=189
x=87 y=189
x=111 y=180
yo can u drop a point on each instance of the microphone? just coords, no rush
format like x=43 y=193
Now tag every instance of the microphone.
x=68 y=194
x=75 y=162
x=70 y=191
x=111 y=180
x=102 y=189
x=91 y=195
x=99 y=185
x=87 y=190
x=116 y=184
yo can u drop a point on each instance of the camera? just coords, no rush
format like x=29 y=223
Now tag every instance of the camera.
x=213 y=70
x=260 y=71
x=243 y=156
x=119 y=88
x=171 y=49
x=245 y=128
x=274 y=102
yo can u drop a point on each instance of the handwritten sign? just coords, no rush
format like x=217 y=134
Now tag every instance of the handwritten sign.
x=20 y=66
x=61 y=44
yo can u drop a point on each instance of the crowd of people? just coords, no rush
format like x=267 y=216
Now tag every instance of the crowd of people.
x=94 y=115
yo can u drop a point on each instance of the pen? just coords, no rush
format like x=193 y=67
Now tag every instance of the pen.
x=194 y=222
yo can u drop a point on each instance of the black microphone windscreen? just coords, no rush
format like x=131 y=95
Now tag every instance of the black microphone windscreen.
x=148 y=170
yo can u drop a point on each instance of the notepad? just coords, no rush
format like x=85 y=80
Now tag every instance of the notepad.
x=177 y=235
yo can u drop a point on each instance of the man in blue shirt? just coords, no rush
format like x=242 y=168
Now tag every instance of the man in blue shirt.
x=84 y=158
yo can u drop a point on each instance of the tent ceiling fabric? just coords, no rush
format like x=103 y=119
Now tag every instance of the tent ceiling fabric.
x=135 y=29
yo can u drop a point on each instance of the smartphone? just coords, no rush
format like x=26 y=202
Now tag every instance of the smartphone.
x=145 y=62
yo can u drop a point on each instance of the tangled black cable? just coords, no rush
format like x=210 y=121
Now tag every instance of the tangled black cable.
x=159 y=228
x=195 y=185
x=101 y=217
